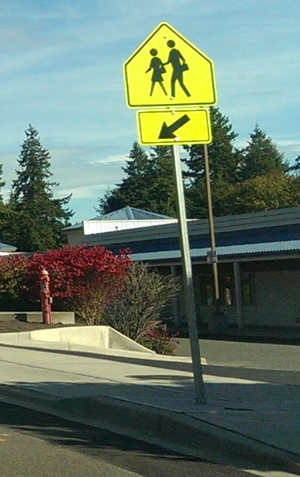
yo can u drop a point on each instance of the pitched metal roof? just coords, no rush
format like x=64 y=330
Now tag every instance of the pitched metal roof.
x=131 y=213
x=4 y=247
x=127 y=213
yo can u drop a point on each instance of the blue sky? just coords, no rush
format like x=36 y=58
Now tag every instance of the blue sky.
x=61 y=71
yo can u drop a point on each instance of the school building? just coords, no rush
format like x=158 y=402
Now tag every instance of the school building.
x=258 y=260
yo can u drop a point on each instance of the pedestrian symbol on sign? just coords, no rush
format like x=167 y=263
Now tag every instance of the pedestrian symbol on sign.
x=158 y=70
x=179 y=65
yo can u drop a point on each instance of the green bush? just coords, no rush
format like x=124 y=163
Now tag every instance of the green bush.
x=159 y=339
x=136 y=309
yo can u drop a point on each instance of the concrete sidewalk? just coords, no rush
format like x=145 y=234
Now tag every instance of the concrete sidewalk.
x=252 y=425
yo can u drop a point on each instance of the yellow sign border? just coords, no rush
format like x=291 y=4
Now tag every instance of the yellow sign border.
x=169 y=103
x=159 y=118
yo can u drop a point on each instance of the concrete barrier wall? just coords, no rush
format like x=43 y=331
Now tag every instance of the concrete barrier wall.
x=119 y=341
x=64 y=317
x=94 y=336
x=7 y=315
x=91 y=336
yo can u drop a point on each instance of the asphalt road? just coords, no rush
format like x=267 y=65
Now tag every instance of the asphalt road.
x=267 y=362
x=38 y=445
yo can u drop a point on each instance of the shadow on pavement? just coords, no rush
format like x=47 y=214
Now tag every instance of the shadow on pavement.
x=115 y=406
x=124 y=452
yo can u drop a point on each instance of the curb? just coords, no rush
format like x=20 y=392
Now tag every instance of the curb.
x=171 y=430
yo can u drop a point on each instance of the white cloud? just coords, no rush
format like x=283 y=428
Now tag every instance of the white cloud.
x=87 y=192
x=118 y=158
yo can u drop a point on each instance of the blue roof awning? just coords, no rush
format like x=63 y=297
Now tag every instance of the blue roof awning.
x=266 y=248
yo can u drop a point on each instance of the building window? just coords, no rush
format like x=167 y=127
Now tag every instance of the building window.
x=247 y=289
x=207 y=292
x=205 y=286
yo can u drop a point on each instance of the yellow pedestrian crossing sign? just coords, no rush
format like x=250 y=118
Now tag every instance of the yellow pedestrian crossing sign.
x=169 y=127
x=168 y=70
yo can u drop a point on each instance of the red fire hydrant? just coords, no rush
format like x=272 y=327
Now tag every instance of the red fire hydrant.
x=45 y=296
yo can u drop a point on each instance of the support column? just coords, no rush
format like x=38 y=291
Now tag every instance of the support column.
x=175 y=300
x=238 y=295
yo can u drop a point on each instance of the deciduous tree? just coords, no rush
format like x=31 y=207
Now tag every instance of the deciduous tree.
x=269 y=191
x=12 y=271
x=86 y=278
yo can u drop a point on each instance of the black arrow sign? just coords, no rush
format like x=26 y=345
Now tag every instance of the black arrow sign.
x=167 y=131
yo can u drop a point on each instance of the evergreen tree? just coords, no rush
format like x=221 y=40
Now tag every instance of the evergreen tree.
x=138 y=163
x=148 y=183
x=255 y=178
x=162 y=193
x=224 y=159
x=224 y=163
x=37 y=218
x=5 y=213
x=2 y=184
x=295 y=168
x=128 y=192
x=261 y=156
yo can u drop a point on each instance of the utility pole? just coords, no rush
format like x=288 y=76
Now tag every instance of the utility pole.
x=213 y=252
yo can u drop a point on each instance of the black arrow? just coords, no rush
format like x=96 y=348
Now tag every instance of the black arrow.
x=166 y=132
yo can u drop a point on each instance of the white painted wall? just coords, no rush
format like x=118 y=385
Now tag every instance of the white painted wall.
x=75 y=237
x=100 y=226
x=277 y=297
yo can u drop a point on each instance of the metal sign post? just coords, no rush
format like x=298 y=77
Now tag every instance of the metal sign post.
x=167 y=71
x=188 y=280
x=212 y=231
